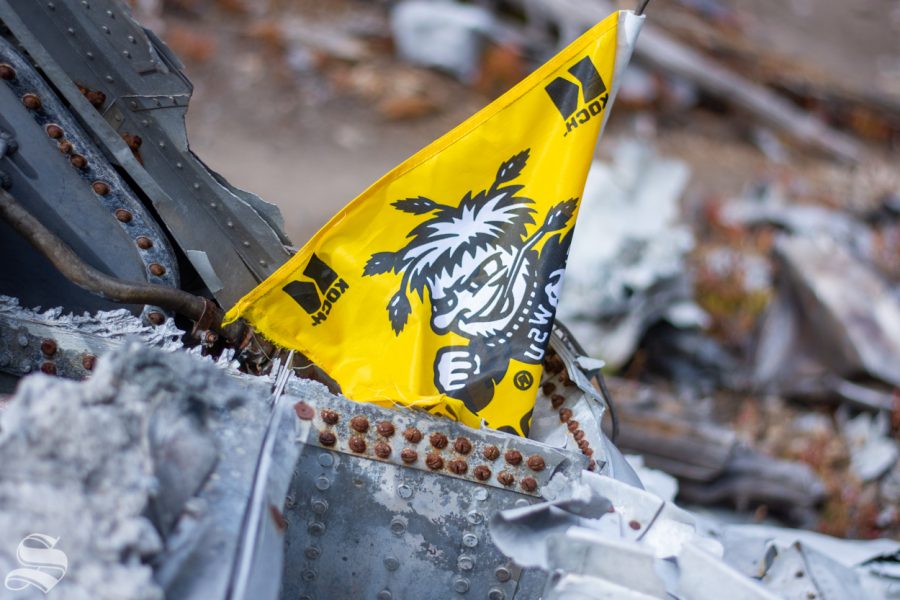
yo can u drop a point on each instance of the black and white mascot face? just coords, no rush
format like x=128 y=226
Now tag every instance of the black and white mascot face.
x=486 y=281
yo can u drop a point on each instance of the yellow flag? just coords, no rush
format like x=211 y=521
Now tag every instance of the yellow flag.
x=437 y=286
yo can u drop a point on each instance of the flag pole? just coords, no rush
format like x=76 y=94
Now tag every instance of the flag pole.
x=640 y=9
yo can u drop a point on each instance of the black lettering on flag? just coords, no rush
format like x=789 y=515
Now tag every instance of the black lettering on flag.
x=564 y=93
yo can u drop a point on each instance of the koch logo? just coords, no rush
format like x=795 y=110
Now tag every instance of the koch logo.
x=317 y=297
x=579 y=102
x=43 y=565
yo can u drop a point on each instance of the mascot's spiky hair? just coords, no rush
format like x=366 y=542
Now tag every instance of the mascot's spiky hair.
x=495 y=217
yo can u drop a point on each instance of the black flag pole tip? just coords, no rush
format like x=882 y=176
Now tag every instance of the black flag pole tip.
x=641 y=6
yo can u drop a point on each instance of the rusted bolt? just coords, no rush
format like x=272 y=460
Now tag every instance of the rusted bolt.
x=385 y=428
x=134 y=141
x=280 y=521
x=357 y=444
x=529 y=484
x=434 y=461
x=329 y=416
x=78 y=161
x=359 y=423
x=535 y=462
x=382 y=450
x=578 y=435
x=513 y=457
x=7 y=73
x=157 y=269
x=491 y=453
x=304 y=411
x=55 y=131
x=100 y=187
x=88 y=361
x=557 y=400
x=95 y=97
x=49 y=368
x=65 y=146
x=123 y=215
x=48 y=347
x=458 y=466
x=592 y=465
x=144 y=243
x=327 y=438
x=548 y=388
x=589 y=452
x=212 y=337
x=157 y=318
x=409 y=456
x=413 y=435
x=554 y=364
x=566 y=380
x=462 y=445
x=583 y=445
x=565 y=414
x=31 y=102
x=506 y=478
x=634 y=524
x=482 y=473
x=572 y=425
x=438 y=440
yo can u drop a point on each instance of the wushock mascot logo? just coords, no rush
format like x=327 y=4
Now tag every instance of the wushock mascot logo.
x=487 y=280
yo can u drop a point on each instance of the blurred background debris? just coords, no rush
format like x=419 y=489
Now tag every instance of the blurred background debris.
x=737 y=260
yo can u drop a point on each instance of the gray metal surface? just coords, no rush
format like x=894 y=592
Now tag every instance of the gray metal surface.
x=65 y=181
x=97 y=45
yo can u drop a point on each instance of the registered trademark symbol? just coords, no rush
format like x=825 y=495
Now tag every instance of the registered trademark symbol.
x=523 y=380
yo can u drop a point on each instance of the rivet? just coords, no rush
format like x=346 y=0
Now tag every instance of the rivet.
x=506 y=478
x=78 y=161
x=329 y=416
x=578 y=435
x=196 y=186
x=481 y=494
x=465 y=563
x=548 y=388
x=404 y=491
x=70 y=31
x=230 y=224
x=496 y=594
x=536 y=462
x=462 y=445
x=55 y=131
x=132 y=39
x=316 y=528
x=65 y=146
x=162 y=144
x=413 y=435
x=22 y=340
x=583 y=445
x=470 y=540
x=123 y=215
x=126 y=53
x=589 y=452
x=90 y=55
x=359 y=423
x=48 y=347
x=557 y=400
x=491 y=453
x=573 y=425
x=565 y=414
x=357 y=444
x=326 y=459
x=88 y=361
x=101 y=188
x=409 y=456
x=458 y=466
x=110 y=14
x=592 y=464
x=513 y=457
x=475 y=518
x=391 y=563
x=263 y=263
x=246 y=244
x=434 y=462
x=634 y=524
x=85 y=3
x=178 y=165
x=502 y=574
x=482 y=473
x=319 y=506
x=157 y=269
x=438 y=440
x=385 y=595
x=144 y=243
x=312 y=552
x=51 y=6
x=213 y=205
x=49 y=368
x=385 y=428
x=7 y=72
x=304 y=411
x=327 y=438
x=322 y=483
x=105 y=29
x=308 y=575
x=398 y=525
x=520 y=503
x=461 y=586
x=31 y=102
x=382 y=450
x=157 y=318
x=529 y=484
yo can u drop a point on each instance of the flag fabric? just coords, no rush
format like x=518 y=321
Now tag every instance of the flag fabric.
x=436 y=288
